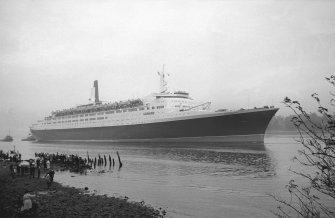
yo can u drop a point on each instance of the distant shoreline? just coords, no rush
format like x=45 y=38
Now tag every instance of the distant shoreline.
x=281 y=132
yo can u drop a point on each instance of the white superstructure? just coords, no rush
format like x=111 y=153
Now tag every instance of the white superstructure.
x=157 y=107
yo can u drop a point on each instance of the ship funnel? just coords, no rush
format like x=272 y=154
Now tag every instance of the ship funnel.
x=96 y=91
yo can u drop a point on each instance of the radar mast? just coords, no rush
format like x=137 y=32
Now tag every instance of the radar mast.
x=163 y=83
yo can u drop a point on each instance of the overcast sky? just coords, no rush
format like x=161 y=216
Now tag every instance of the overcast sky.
x=232 y=53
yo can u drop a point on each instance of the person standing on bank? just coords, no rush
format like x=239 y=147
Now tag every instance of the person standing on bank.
x=38 y=166
x=38 y=172
x=48 y=164
x=32 y=169
x=27 y=203
x=50 y=177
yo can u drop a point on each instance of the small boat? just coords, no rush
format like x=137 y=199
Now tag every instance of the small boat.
x=8 y=138
x=30 y=137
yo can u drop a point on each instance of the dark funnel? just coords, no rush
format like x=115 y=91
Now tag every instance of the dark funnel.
x=96 y=91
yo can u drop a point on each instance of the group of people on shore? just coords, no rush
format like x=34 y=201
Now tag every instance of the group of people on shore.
x=43 y=161
x=19 y=167
x=73 y=162
x=99 y=107
x=23 y=168
x=11 y=155
x=77 y=163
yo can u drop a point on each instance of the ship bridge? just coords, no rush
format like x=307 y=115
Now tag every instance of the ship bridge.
x=173 y=101
x=177 y=94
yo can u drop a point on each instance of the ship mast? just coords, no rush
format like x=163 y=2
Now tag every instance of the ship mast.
x=162 y=83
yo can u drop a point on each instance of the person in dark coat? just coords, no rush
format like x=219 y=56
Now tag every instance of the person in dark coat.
x=50 y=177
x=32 y=170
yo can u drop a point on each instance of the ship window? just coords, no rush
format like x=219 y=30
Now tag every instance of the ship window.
x=149 y=113
x=101 y=118
x=86 y=115
x=81 y=115
x=148 y=108
x=92 y=119
x=106 y=117
x=81 y=119
x=101 y=113
x=110 y=112
x=153 y=107
x=92 y=114
x=141 y=108
x=86 y=119
x=118 y=111
x=124 y=110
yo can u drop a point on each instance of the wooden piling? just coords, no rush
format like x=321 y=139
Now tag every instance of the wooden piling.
x=118 y=156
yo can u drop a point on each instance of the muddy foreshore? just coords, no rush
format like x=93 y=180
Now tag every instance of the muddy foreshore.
x=62 y=201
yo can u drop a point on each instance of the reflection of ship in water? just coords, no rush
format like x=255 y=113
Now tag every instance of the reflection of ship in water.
x=231 y=163
x=214 y=159
x=163 y=116
x=219 y=159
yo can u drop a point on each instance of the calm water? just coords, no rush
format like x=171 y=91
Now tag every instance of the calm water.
x=188 y=179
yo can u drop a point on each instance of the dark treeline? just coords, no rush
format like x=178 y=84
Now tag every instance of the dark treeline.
x=284 y=123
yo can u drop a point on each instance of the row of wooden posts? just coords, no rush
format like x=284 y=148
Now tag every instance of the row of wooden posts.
x=103 y=160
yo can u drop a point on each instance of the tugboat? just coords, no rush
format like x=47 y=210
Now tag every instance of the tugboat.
x=8 y=138
x=30 y=137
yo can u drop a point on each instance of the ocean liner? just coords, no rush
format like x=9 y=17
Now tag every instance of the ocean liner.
x=162 y=116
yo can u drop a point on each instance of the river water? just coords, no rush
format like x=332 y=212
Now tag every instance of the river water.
x=186 y=179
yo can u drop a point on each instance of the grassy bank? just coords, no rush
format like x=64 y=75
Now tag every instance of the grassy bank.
x=61 y=201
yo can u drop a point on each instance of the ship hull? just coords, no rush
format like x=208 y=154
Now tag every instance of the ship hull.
x=220 y=127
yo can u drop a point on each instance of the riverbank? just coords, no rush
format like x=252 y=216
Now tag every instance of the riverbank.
x=62 y=201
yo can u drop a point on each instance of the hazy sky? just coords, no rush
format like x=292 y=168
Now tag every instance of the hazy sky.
x=232 y=53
